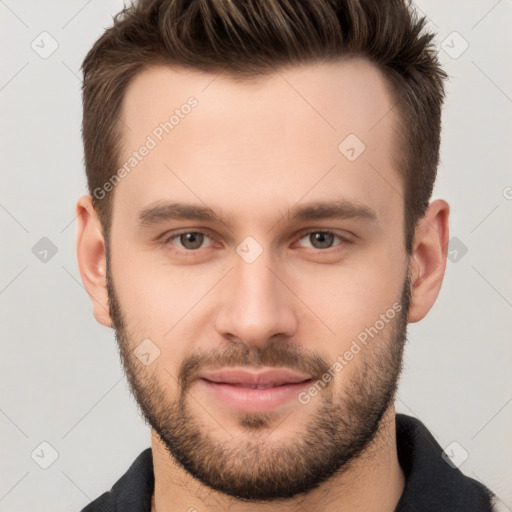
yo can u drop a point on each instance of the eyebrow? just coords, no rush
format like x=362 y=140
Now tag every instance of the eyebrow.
x=161 y=212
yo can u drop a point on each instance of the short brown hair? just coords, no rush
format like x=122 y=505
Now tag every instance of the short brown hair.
x=250 y=38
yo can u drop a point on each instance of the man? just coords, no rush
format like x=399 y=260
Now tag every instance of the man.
x=259 y=235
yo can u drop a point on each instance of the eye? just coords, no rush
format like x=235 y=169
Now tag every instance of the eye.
x=188 y=240
x=321 y=239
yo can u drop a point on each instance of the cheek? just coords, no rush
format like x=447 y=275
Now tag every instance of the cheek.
x=154 y=294
x=163 y=304
x=351 y=296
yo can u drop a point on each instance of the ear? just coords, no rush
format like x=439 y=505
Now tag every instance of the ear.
x=428 y=259
x=91 y=253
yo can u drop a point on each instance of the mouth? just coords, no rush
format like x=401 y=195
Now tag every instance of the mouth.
x=259 y=390
x=255 y=386
x=260 y=379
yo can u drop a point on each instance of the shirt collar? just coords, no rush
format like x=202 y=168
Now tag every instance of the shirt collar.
x=431 y=482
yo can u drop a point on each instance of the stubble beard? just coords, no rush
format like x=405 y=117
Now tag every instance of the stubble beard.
x=257 y=468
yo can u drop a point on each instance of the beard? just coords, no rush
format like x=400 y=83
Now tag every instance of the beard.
x=253 y=467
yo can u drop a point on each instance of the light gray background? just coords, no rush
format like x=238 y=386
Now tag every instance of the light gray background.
x=62 y=382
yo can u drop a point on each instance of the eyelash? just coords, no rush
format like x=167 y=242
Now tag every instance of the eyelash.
x=168 y=240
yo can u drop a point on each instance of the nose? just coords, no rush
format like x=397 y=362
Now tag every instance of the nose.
x=255 y=304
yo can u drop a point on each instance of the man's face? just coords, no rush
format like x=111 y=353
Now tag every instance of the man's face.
x=274 y=329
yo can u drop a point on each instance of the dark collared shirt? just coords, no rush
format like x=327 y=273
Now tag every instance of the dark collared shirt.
x=432 y=484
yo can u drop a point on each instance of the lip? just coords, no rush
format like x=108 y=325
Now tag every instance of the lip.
x=253 y=390
x=264 y=378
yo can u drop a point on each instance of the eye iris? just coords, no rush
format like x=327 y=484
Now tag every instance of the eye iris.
x=321 y=240
x=191 y=240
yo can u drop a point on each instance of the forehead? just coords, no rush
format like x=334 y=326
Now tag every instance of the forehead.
x=321 y=130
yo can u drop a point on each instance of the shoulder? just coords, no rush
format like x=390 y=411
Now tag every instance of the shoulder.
x=132 y=491
x=433 y=481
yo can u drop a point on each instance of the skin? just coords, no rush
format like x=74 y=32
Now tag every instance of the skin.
x=249 y=151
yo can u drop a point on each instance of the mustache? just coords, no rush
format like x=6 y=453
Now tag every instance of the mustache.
x=275 y=354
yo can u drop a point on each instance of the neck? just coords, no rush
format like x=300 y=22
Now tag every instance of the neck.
x=374 y=481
